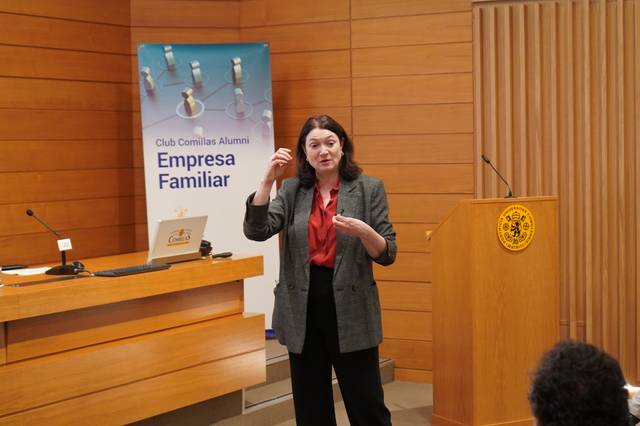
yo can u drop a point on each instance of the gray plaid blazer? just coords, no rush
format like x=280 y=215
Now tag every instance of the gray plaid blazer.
x=355 y=291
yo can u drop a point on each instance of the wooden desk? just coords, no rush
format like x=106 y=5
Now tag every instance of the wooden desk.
x=115 y=350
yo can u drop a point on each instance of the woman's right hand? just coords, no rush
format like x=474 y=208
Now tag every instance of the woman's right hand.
x=277 y=163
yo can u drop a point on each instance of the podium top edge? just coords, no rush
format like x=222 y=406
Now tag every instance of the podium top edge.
x=513 y=200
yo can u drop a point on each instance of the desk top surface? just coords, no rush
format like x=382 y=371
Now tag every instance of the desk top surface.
x=43 y=294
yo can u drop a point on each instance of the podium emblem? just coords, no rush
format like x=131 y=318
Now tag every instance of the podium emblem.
x=516 y=227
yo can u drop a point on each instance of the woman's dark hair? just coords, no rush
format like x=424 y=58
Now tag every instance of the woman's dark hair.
x=348 y=168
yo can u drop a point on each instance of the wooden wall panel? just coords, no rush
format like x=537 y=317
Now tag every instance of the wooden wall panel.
x=419 y=29
x=61 y=124
x=407 y=325
x=258 y=13
x=413 y=119
x=421 y=208
x=301 y=37
x=417 y=60
x=22 y=93
x=140 y=238
x=113 y=12
x=66 y=127
x=408 y=266
x=413 y=90
x=424 y=179
x=137 y=125
x=556 y=107
x=185 y=13
x=407 y=296
x=413 y=375
x=17 y=155
x=41 y=248
x=415 y=149
x=138 y=155
x=310 y=65
x=384 y=8
x=415 y=354
x=312 y=93
x=411 y=236
x=36 y=31
x=72 y=214
x=288 y=142
x=37 y=62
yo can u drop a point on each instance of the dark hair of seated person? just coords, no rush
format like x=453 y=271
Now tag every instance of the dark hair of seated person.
x=577 y=384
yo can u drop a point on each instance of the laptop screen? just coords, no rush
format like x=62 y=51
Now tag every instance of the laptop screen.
x=177 y=239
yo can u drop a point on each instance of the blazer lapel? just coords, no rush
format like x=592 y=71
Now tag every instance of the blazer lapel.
x=347 y=203
x=301 y=222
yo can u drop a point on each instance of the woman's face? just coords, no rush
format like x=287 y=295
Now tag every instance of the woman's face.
x=324 y=151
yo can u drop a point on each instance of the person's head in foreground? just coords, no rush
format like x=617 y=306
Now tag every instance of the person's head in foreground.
x=577 y=384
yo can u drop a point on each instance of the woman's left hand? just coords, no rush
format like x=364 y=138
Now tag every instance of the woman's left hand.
x=351 y=226
x=373 y=242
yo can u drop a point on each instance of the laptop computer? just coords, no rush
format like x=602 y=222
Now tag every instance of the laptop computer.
x=177 y=240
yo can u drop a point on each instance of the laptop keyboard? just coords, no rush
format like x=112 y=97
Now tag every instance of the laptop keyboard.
x=130 y=270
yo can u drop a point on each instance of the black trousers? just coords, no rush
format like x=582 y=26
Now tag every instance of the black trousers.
x=358 y=372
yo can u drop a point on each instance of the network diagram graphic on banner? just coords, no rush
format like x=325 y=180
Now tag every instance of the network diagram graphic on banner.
x=207 y=128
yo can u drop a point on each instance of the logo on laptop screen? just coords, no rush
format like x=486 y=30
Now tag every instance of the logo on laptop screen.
x=179 y=237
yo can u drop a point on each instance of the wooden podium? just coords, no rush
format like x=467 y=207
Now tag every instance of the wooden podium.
x=495 y=311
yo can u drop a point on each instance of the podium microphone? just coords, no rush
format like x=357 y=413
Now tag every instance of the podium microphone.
x=486 y=160
x=63 y=268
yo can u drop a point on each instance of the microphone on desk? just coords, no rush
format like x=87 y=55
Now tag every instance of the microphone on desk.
x=486 y=160
x=64 y=244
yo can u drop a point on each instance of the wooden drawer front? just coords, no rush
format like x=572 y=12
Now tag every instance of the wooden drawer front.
x=32 y=337
x=71 y=374
x=145 y=398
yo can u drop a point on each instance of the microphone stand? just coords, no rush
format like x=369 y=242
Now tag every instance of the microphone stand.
x=63 y=268
x=509 y=192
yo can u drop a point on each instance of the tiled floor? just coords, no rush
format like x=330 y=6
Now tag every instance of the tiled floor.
x=410 y=404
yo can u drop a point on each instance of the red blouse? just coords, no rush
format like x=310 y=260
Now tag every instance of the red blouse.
x=321 y=232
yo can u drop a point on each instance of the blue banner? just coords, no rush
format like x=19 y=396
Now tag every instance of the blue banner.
x=207 y=128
